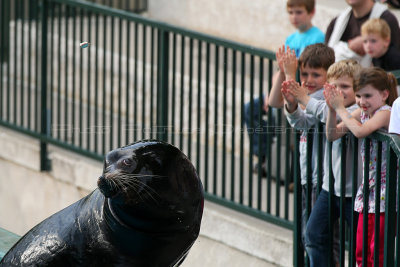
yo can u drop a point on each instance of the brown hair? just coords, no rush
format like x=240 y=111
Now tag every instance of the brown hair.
x=308 y=4
x=317 y=56
x=347 y=67
x=378 y=26
x=380 y=80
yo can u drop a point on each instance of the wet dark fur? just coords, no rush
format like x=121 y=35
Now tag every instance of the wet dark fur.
x=146 y=212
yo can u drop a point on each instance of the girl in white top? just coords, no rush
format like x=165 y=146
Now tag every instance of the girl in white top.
x=375 y=92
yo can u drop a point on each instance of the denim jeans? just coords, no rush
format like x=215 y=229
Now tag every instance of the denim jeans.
x=258 y=130
x=317 y=230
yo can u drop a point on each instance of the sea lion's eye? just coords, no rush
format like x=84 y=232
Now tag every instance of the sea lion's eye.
x=127 y=162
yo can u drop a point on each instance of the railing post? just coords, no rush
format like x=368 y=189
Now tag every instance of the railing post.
x=298 y=253
x=162 y=77
x=390 y=216
x=45 y=120
x=4 y=30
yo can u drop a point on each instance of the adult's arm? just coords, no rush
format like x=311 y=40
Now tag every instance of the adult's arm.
x=329 y=30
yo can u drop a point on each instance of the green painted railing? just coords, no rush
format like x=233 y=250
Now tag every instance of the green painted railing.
x=140 y=79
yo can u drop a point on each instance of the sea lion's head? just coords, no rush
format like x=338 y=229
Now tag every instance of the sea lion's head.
x=154 y=183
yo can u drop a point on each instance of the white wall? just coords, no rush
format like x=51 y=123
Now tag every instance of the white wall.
x=261 y=23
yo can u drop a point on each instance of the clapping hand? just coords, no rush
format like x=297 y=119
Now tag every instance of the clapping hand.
x=290 y=64
x=333 y=96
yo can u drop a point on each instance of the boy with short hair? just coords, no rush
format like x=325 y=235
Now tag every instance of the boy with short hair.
x=314 y=63
x=342 y=75
x=300 y=13
x=376 y=43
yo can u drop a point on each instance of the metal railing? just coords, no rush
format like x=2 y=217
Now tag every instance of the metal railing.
x=142 y=79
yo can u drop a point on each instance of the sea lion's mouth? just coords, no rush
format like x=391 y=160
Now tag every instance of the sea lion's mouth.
x=105 y=187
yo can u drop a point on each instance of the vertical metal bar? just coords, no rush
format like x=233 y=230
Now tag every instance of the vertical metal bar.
x=320 y=152
x=96 y=85
x=330 y=203
x=215 y=156
x=298 y=253
x=181 y=112
x=250 y=190
x=224 y=120
x=367 y=146
x=29 y=87
x=207 y=101
x=354 y=217
x=173 y=85
x=397 y=229
x=89 y=130
x=44 y=161
x=377 y=204
x=51 y=64
x=144 y=45
x=233 y=101
x=37 y=106
x=153 y=95
x=8 y=56
x=309 y=185
x=66 y=83
x=242 y=88
x=2 y=52
x=189 y=142
x=112 y=139
x=288 y=163
x=22 y=72
x=127 y=102
x=59 y=73
x=199 y=96
x=135 y=86
x=119 y=134
x=80 y=116
x=104 y=132
x=342 y=239
x=390 y=221
x=262 y=134
x=73 y=107
x=16 y=7
x=162 y=121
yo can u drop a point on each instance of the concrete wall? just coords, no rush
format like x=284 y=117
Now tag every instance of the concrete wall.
x=28 y=196
x=261 y=23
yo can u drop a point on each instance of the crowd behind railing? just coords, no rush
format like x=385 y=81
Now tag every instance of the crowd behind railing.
x=346 y=92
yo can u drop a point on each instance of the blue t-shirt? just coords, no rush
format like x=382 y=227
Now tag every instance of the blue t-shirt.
x=299 y=40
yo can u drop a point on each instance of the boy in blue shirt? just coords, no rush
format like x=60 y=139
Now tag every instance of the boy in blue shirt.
x=300 y=13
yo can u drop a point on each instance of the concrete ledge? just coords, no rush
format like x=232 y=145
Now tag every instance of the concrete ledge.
x=265 y=241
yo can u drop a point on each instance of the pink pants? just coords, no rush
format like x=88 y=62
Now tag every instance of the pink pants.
x=371 y=239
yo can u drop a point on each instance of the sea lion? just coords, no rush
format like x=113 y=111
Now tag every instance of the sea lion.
x=146 y=211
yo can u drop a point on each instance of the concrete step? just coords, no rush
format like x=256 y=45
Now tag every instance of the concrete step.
x=230 y=238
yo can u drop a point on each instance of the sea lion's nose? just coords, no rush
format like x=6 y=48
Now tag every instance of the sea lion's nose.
x=101 y=177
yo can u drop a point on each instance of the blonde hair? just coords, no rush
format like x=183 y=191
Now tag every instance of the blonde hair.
x=376 y=25
x=347 y=67
x=308 y=4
